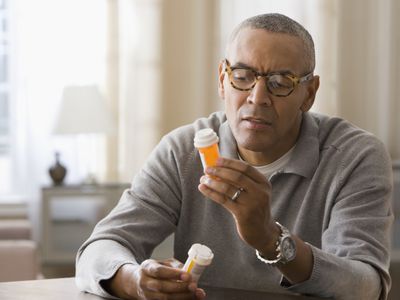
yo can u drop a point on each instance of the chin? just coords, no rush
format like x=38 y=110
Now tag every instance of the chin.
x=252 y=141
x=255 y=145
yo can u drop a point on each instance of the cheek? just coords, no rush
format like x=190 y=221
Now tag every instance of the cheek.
x=230 y=111
x=287 y=114
x=232 y=102
x=291 y=106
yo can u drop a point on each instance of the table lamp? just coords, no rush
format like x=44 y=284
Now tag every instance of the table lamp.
x=84 y=112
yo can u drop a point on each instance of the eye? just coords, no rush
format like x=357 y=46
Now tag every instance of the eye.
x=274 y=84
x=242 y=75
x=279 y=82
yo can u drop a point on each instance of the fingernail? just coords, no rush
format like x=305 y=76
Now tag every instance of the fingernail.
x=205 y=180
x=200 y=293
x=220 y=161
x=210 y=170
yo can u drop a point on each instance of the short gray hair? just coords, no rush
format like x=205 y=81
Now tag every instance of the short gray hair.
x=279 y=23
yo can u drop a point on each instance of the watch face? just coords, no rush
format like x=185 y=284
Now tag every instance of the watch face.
x=288 y=248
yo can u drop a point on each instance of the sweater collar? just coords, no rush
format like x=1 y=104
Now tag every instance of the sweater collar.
x=304 y=160
x=305 y=156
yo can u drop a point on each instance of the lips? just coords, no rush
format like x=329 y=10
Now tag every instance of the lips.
x=256 y=122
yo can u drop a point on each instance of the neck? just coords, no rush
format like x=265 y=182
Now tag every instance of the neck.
x=259 y=158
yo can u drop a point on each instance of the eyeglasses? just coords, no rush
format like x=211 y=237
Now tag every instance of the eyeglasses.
x=280 y=85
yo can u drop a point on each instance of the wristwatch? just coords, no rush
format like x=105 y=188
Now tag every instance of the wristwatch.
x=285 y=247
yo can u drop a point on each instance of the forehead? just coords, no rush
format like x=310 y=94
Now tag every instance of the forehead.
x=267 y=51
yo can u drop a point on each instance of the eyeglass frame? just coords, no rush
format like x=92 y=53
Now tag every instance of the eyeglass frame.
x=296 y=80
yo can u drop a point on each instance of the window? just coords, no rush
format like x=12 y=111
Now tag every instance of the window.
x=37 y=61
x=4 y=98
x=4 y=80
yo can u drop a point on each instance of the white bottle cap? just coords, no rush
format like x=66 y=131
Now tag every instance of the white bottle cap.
x=205 y=138
x=201 y=253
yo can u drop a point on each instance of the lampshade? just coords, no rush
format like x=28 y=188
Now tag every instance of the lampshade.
x=84 y=110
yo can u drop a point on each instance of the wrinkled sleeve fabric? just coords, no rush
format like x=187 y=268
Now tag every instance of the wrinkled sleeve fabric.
x=145 y=215
x=92 y=268
x=353 y=260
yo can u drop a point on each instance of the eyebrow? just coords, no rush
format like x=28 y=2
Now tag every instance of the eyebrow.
x=240 y=65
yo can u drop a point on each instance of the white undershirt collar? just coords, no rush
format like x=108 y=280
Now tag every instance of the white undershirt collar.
x=275 y=166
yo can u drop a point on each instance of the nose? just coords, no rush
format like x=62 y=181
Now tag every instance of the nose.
x=259 y=94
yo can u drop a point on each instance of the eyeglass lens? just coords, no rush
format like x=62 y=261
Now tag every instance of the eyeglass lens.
x=277 y=84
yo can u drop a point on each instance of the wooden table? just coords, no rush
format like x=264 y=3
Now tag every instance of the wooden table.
x=65 y=289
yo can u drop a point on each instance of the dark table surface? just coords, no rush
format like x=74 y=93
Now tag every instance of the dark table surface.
x=236 y=294
x=65 y=288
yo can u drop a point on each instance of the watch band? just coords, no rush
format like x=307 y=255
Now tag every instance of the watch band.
x=280 y=258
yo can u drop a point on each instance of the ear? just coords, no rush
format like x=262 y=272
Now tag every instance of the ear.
x=312 y=88
x=221 y=77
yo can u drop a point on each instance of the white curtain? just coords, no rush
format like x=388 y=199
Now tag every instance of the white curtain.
x=139 y=81
x=368 y=72
x=168 y=71
x=55 y=43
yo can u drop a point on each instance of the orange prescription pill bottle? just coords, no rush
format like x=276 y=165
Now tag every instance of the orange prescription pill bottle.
x=206 y=141
x=200 y=256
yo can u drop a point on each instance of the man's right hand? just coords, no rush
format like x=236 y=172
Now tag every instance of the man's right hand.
x=153 y=280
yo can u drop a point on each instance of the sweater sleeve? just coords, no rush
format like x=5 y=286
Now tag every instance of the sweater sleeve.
x=91 y=267
x=145 y=215
x=353 y=261
x=340 y=279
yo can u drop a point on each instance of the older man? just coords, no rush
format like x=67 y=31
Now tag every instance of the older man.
x=299 y=202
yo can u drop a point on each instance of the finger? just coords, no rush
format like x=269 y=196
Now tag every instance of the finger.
x=235 y=178
x=200 y=293
x=215 y=196
x=172 y=262
x=168 y=286
x=226 y=189
x=241 y=167
x=150 y=291
x=225 y=175
x=149 y=295
x=155 y=269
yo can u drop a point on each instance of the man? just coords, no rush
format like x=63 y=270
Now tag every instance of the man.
x=327 y=182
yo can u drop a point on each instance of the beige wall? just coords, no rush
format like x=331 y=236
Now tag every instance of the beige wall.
x=189 y=62
x=368 y=67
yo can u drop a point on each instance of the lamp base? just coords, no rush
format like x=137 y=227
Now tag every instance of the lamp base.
x=57 y=171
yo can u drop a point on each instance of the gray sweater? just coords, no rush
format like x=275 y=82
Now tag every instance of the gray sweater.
x=334 y=193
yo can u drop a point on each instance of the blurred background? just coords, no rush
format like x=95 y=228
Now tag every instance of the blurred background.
x=148 y=66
